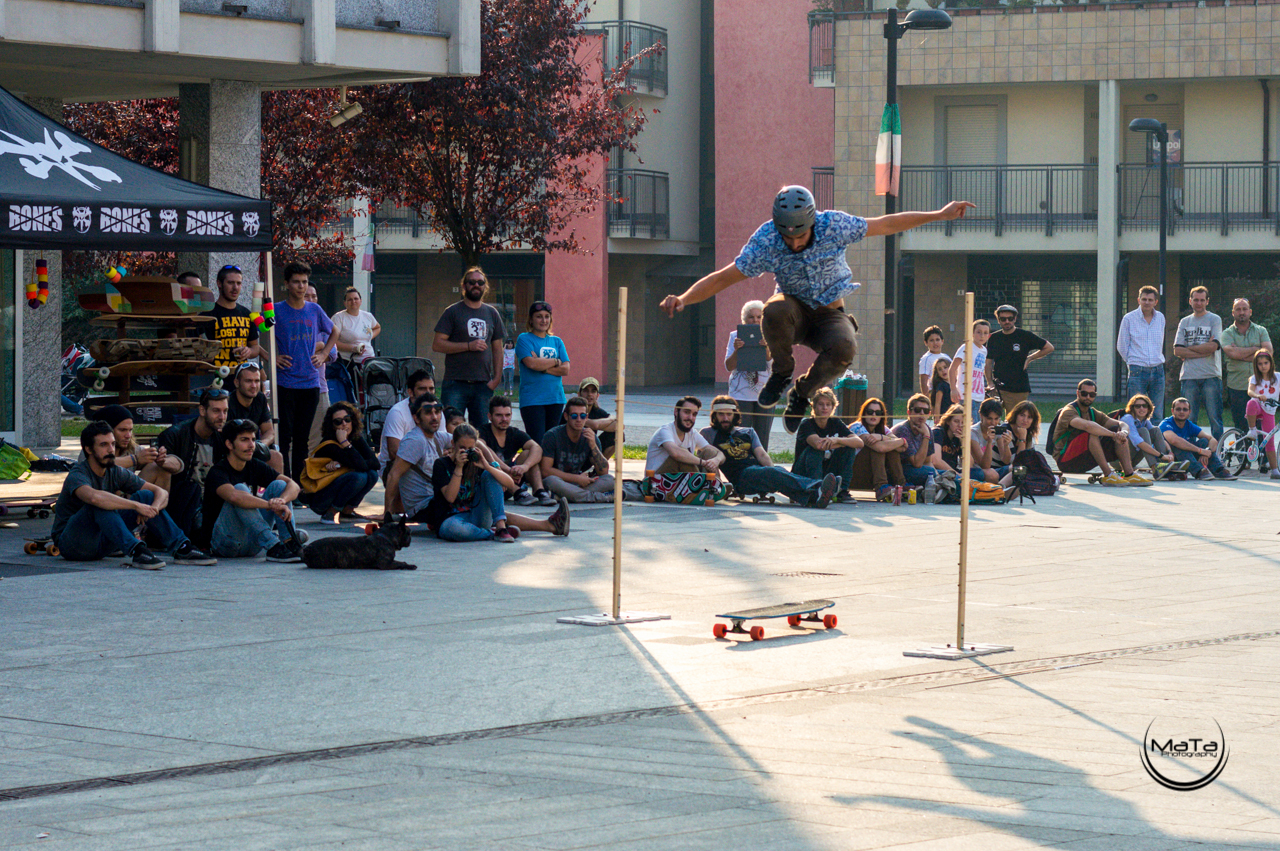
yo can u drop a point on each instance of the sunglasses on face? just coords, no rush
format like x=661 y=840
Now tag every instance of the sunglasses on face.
x=340 y=420
x=874 y=412
x=1083 y=394
x=920 y=410
x=432 y=408
x=576 y=416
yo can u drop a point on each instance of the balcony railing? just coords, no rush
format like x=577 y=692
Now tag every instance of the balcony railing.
x=645 y=209
x=1202 y=197
x=1045 y=198
x=822 y=47
x=824 y=187
x=624 y=39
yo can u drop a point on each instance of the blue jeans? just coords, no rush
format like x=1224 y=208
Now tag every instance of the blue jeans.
x=92 y=533
x=348 y=489
x=470 y=397
x=1214 y=463
x=1208 y=391
x=1149 y=381
x=811 y=464
x=764 y=480
x=1237 y=400
x=476 y=523
x=540 y=419
x=244 y=532
x=917 y=475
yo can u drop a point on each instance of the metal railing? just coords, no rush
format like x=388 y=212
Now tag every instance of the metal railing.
x=645 y=209
x=822 y=47
x=824 y=187
x=624 y=39
x=389 y=218
x=1202 y=196
x=1046 y=198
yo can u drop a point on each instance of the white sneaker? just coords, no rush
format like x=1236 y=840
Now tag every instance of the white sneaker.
x=1275 y=474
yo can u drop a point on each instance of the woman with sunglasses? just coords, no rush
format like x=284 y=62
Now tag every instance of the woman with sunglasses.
x=1145 y=434
x=878 y=466
x=342 y=443
x=544 y=362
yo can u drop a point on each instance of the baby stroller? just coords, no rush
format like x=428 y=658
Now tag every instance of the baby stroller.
x=74 y=359
x=378 y=387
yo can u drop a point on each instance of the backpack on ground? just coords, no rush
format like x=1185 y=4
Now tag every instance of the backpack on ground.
x=1039 y=479
x=985 y=493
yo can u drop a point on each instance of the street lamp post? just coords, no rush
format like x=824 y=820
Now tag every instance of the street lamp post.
x=918 y=19
x=1161 y=132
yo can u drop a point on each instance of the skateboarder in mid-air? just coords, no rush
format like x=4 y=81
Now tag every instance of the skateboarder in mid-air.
x=805 y=250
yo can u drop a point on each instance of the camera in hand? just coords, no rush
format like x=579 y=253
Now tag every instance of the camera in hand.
x=473 y=455
x=1000 y=428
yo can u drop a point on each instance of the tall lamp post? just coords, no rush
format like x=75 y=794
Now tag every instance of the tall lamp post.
x=917 y=19
x=1161 y=131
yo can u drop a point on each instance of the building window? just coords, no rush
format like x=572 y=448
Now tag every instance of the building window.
x=824 y=187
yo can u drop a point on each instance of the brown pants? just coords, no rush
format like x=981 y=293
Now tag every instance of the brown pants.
x=1011 y=400
x=872 y=469
x=671 y=465
x=826 y=330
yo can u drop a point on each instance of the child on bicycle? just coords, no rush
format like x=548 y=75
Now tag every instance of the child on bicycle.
x=1264 y=393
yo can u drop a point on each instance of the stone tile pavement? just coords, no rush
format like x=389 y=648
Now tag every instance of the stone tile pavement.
x=260 y=706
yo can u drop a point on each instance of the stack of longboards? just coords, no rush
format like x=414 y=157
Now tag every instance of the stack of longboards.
x=155 y=305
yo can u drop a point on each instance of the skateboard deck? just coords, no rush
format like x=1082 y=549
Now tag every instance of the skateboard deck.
x=41 y=507
x=188 y=348
x=115 y=320
x=1095 y=478
x=795 y=613
x=45 y=545
x=148 y=296
x=1172 y=471
x=151 y=367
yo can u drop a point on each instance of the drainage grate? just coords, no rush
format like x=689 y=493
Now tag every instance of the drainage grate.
x=805 y=573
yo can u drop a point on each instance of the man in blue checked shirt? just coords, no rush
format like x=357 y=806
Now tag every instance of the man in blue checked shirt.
x=805 y=251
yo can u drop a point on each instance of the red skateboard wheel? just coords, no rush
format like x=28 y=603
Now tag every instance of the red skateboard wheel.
x=829 y=621
x=719 y=630
x=794 y=620
x=757 y=633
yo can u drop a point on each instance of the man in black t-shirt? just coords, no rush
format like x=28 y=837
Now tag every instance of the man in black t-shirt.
x=191 y=449
x=599 y=420
x=825 y=445
x=1008 y=354
x=238 y=523
x=91 y=519
x=250 y=403
x=469 y=335
x=231 y=324
x=748 y=466
x=519 y=455
x=573 y=466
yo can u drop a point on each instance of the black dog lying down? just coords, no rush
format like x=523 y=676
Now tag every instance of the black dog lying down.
x=369 y=552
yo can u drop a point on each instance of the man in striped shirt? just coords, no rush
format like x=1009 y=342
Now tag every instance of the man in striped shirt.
x=1141 y=346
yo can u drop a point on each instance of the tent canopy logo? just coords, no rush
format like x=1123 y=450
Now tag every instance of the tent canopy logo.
x=40 y=158
x=1184 y=755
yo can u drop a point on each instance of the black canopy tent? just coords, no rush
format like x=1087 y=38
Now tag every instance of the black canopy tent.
x=59 y=191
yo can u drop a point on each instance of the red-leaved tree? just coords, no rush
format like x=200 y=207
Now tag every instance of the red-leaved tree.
x=499 y=160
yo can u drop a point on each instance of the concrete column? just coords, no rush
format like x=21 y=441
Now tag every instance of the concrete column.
x=361 y=210
x=220 y=145
x=42 y=337
x=161 y=21
x=461 y=20
x=1108 y=239
x=319 y=30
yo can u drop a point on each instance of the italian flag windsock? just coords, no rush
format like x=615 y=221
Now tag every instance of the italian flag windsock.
x=889 y=152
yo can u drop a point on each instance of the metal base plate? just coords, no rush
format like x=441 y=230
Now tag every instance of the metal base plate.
x=607 y=619
x=950 y=651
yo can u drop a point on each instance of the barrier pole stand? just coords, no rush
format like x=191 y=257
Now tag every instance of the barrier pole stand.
x=617 y=616
x=960 y=650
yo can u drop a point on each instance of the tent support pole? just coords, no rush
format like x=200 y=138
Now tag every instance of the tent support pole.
x=275 y=391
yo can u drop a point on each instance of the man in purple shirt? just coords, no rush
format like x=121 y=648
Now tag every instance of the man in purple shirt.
x=805 y=250
x=299 y=366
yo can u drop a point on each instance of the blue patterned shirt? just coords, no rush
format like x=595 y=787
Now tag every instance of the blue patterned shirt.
x=819 y=274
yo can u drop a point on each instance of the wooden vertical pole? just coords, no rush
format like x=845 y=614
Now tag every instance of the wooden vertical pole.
x=275 y=390
x=966 y=459
x=618 y=453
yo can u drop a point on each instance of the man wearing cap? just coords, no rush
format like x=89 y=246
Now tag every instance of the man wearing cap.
x=1008 y=354
x=469 y=335
x=604 y=424
x=805 y=251
x=749 y=468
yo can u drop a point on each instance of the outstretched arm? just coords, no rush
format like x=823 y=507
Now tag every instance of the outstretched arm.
x=898 y=222
x=721 y=279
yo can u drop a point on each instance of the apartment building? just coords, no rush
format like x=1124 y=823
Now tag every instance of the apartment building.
x=1025 y=110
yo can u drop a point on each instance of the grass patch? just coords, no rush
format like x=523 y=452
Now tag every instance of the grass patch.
x=73 y=426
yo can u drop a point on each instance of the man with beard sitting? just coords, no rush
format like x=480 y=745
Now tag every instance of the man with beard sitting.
x=748 y=466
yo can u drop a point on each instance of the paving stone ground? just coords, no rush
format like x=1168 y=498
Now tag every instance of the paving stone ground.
x=262 y=706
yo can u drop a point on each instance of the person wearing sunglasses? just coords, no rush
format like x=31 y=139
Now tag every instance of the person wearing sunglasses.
x=573 y=463
x=1084 y=438
x=1008 y=352
x=826 y=446
x=919 y=448
x=1145 y=435
x=191 y=448
x=344 y=449
x=469 y=334
x=409 y=486
x=879 y=466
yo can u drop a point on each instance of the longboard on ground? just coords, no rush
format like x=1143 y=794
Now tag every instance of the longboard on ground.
x=795 y=613
x=44 y=545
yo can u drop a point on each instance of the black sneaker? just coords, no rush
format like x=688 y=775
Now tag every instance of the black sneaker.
x=773 y=390
x=559 y=519
x=144 y=558
x=797 y=407
x=284 y=554
x=826 y=490
x=188 y=554
x=545 y=497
